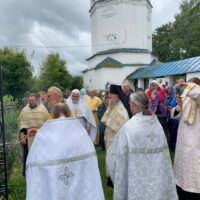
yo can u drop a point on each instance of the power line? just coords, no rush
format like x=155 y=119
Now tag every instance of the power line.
x=56 y=46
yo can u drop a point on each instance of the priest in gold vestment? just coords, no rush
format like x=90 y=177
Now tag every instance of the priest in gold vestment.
x=31 y=118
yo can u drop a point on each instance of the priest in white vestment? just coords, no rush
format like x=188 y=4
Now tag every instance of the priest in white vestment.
x=82 y=112
x=138 y=160
x=187 y=154
x=62 y=163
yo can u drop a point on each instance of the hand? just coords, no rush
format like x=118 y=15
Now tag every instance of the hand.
x=168 y=109
x=23 y=141
x=32 y=132
x=88 y=129
x=179 y=100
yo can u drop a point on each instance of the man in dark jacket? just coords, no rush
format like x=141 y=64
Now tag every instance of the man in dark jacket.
x=101 y=110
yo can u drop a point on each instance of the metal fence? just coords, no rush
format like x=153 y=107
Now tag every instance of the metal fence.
x=9 y=113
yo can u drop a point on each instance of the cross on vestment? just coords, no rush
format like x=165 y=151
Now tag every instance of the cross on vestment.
x=151 y=136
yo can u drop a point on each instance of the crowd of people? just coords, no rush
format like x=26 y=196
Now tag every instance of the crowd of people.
x=58 y=133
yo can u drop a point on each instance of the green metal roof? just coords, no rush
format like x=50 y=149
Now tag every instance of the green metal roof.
x=189 y=65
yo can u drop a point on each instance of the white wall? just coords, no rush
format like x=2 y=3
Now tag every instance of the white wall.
x=191 y=75
x=121 y=24
x=141 y=83
x=125 y=58
x=97 y=79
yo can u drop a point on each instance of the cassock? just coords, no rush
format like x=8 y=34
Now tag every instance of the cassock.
x=62 y=163
x=138 y=161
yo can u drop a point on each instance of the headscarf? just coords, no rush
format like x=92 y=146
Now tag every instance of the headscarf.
x=83 y=92
x=170 y=95
x=154 y=103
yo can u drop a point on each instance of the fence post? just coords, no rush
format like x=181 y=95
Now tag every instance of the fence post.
x=3 y=133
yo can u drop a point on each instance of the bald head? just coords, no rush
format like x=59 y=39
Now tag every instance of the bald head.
x=54 y=95
x=60 y=110
x=92 y=92
x=126 y=89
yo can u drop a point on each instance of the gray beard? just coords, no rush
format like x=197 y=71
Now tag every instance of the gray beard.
x=113 y=102
x=75 y=102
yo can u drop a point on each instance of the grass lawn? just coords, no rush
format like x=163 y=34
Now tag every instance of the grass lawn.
x=108 y=191
x=16 y=183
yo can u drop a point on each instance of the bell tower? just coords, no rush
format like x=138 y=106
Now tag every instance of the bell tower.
x=121 y=37
x=117 y=24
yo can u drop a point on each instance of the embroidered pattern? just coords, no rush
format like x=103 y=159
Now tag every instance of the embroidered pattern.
x=151 y=136
x=66 y=176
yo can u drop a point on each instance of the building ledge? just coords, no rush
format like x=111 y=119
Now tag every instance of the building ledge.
x=120 y=50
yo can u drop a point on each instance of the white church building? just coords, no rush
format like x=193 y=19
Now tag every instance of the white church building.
x=121 y=32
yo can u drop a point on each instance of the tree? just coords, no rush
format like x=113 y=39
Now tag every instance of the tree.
x=54 y=73
x=180 y=39
x=17 y=72
x=77 y=82
x=162 y=39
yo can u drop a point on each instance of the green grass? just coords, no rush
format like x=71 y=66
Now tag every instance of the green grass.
x=16 y=182
x=108 y=191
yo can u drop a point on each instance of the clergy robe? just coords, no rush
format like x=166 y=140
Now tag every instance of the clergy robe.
x=114 y=118
x=82 y=112
x=187 y=154
x=138 y=161
x=32 y=118
x=94 y=104
x=62 y=163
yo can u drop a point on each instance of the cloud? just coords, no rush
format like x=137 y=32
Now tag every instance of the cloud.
x=63 y=26
x=164 y=11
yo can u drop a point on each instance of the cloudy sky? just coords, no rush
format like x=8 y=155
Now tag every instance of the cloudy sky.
x=40 y=27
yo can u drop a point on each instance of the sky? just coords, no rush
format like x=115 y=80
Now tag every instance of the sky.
x=40 y=27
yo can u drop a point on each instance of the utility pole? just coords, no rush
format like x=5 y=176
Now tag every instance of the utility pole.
x=3 y=162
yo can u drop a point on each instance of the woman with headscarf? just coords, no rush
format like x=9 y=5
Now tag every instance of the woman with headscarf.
x=83 y=93
x=158 y=108
x=170 y=95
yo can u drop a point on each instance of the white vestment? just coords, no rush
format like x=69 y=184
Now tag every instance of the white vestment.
x=62 y=163
x=138 y=161
x=82 y=111
x=187 y=154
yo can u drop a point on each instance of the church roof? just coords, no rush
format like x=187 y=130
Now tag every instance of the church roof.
x=109 y=62
x=120 y=50
x=185 y=66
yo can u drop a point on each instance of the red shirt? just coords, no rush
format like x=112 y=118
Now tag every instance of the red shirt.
x=162 y=94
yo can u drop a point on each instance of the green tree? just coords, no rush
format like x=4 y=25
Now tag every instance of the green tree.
x=17 y=72
x=162 y=39
x=77 y=82
x=180 y=39
x=54 y=73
